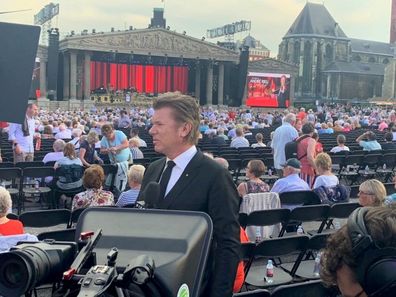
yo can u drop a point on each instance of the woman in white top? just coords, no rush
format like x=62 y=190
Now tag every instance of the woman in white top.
x=341 y=139
x=323 y=169
x=259 y=139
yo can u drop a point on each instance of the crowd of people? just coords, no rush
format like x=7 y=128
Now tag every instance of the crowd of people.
x=196 y=181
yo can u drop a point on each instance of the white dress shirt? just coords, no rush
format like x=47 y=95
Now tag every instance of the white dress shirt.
x=181 y=162
x=15 y=134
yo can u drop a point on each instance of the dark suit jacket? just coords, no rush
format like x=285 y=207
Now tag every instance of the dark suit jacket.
x=206 y=186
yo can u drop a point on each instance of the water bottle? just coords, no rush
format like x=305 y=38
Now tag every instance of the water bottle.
x=36 y=185
x=384 y=167
x=269 y=172
x=337 y=225
x=300 y=230
x=258 y=235
x=269 y=273
x=366 y=169
x=316 y=269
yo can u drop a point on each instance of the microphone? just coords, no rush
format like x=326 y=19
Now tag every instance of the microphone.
x=152 y=195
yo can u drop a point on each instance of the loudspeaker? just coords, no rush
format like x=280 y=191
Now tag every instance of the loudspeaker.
x=376 y=269
x=178 y=241
x=17 y=57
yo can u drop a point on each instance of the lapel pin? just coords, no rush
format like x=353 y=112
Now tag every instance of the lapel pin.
x=186 y=174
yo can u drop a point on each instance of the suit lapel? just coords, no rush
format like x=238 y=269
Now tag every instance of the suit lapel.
x=187 y=177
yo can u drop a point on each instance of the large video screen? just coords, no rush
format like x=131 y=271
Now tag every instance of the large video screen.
x=268 y=90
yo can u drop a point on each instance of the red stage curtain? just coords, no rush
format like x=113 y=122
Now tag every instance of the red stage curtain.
x=139 y=78
x=149 y=79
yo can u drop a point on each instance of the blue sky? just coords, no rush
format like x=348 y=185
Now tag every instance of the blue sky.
x=365 y=19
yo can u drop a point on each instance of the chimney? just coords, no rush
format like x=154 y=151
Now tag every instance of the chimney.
x=393 y=23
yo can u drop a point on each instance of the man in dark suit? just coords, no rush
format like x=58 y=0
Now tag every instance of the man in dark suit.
x=196 y=183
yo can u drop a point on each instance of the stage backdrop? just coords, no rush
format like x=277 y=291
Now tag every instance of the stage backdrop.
x=268 y=89
x=144 y=78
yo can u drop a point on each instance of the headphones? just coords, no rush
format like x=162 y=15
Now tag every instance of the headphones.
x=376 y=268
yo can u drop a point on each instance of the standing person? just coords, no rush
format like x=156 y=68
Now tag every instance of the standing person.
x=283 y=135
x=115 y=144
x=22 y=136
x=306 y=153
x=194 y=182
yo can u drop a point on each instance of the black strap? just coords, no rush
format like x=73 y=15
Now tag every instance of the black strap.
x=166 y=177
x=298 y=140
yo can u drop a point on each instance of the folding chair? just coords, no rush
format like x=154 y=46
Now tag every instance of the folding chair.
x=75 y=214
x=110 y=169
x=306 y=289
x=78 y=171
x=298 y=198
x=246 y=255
x=11 y=178
x=7 y=165
x=45 y=218
x=12 y=216
x=24 y=165
x=340 y=211
x=58 y=235
x=243 y=220
x=308 y=213
x=305 y=267
x=265 y=218
x=274 y=248
x=39 y=174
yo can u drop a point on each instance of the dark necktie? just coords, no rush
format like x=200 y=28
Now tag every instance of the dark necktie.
x=166 y=177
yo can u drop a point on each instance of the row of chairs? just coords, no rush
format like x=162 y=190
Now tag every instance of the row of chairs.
x=48 y=218
x=16 y=180
x=325 y=214
x=293 y=258
x=313 y=288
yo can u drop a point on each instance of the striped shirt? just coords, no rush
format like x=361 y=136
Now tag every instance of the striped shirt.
x=136 y=153
x=128 y=197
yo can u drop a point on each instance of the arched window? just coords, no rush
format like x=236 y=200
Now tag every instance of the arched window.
x=385 y=61
x=371 y=60
x=357 y=58
x=329 y=54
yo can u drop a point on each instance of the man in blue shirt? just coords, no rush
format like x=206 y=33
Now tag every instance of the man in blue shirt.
x=283 y=135
x=291 y=181
x=368 y=141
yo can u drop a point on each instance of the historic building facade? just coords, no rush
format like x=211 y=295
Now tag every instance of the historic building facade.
x=331 y=65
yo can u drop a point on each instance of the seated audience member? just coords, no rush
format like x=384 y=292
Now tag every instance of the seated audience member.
x=76 y=134
x=87 y=152
x=94 y=195
x=68 y=168
x=368 y=141
x=259 y=138
x=135 y=133
x=391 y=198
x=323 y=168
x=216 y=139
x=63 y=133
x=341 y=139
x=47 y=133
x=220 y=133
x=57 y=154
x=389 y=144
x=372 y=193
x=134 y=147
x=346 y=254
x=135 y=177
x=223 y=162
x=254 y=170
x=239 y=140
x=7 y=226
x=291 y=180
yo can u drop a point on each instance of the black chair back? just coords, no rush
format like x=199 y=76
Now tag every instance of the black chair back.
x=23 y=165
x=45 y=218
x=305 y=289
x=6 y=164
x=299 y=197
x=75 y=214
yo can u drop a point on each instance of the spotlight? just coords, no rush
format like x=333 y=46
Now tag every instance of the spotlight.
x=184 y=32
x=167 y=28
x=203 y=38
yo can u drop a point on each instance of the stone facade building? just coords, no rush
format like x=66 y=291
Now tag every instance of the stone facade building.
x=331 y=65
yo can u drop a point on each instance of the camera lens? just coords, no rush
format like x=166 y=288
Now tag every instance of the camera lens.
x=14 y=275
